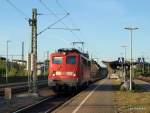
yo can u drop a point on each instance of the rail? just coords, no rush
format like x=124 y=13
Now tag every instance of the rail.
x=18 y=87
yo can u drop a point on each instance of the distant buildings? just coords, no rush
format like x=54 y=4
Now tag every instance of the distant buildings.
x=3 y=58
x=20 y=62
x=42 y=67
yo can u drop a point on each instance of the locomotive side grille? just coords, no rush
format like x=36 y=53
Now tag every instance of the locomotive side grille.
x=69 y=73
x=64 y=73
x=58 y=73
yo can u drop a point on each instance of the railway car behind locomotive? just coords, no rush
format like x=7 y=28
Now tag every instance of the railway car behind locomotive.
x=68 y=68
x=97 y=72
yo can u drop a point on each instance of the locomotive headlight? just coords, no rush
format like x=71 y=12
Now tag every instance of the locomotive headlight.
x=74 y=74
x=53 y=73
x=64 y=53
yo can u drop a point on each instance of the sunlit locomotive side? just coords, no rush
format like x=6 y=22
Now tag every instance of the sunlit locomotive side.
x=97 y=72
x=68 y=68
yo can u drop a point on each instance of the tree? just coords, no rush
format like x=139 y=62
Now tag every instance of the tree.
x=12 y=72
x=2 y=67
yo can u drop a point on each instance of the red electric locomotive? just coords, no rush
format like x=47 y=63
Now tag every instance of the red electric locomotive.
x=68 y=68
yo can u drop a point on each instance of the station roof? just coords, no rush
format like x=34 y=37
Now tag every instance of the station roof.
x=2 y=58
x=114 y=64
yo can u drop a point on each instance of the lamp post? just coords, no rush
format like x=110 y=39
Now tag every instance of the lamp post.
x=131 y=31
x=7 y=42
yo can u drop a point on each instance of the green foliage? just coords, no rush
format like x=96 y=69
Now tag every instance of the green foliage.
x=143 y=70
x=17 y=69
x=46 y=73
x=2 y=67
x=14 y=69
x=12 y=72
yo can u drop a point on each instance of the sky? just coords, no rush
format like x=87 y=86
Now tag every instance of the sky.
x=101 y=24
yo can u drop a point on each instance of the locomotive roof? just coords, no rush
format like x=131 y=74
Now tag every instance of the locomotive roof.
x=73 y=50
x=68 y=50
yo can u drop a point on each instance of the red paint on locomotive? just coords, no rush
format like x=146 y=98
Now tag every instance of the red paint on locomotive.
x=68 y=67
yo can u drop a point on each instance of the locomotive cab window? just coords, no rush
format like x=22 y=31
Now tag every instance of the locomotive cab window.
x=57 y=60
x=71 y=60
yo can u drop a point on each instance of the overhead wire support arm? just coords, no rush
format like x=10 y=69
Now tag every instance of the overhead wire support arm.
x=48 y=9
x=52 y=24
x=71 y=29
x=78 y=43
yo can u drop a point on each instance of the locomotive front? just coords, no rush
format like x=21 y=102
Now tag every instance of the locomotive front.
x=63 y=70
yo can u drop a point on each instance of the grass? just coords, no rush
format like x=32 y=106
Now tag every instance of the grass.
x=132 y=102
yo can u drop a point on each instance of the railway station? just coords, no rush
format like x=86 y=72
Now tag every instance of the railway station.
x=60 y=56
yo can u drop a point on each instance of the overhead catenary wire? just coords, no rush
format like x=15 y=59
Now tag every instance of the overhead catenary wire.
x=18 y=10
x=65 y=10
x=49 y=27
x=61 y=6
x=48 y=9
x=52 y=13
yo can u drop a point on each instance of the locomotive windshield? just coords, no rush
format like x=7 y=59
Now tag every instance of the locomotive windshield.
x=71 y=60
x=57 y=60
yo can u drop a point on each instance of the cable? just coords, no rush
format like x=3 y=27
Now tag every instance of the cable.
x=18 y=10
x=47 y=14
x=47 y=8
x=73 y=24
x=49 y=27
x=61 y=6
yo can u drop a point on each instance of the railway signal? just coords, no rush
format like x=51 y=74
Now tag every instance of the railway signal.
x=121 y=60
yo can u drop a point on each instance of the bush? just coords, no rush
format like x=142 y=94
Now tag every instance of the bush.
x=12 y=72
x=16 y=79
x=2 y=68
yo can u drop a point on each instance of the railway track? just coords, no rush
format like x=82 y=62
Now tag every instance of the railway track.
x=19 y=87
x=144 y=79
x=17 y=84
x=46 y=105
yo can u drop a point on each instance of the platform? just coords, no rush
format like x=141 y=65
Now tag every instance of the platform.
x=97 y=98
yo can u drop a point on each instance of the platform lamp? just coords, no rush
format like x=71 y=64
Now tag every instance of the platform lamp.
x=7 y=42
x=131 y=29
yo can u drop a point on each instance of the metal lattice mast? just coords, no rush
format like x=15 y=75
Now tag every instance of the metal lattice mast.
x=33 y=24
